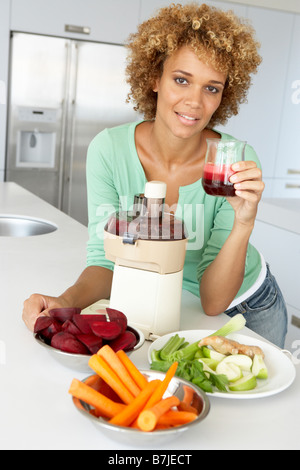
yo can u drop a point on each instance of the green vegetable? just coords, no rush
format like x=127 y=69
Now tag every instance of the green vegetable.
x=236 y=323
x=248 y=382
x=172 y=345
x=186 y=353
x=241 y=360
x=232 y=371
x=259 y=368
x=212 y=354
x=193 y=371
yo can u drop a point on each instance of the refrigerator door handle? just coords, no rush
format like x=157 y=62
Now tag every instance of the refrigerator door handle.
x=70 y=131
x=64 y=125
x=71 y=28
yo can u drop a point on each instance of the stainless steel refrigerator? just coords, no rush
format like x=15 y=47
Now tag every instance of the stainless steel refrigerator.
x=62 y=93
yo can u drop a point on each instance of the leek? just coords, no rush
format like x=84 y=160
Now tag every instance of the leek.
x=236 y=323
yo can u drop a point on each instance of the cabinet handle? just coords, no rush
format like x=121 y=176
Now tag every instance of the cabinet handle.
x=294 y=186
x=292 y=171
x=70 y=28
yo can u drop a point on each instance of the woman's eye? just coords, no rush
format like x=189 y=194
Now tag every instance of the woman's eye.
x=180 y=80
x=213 y=89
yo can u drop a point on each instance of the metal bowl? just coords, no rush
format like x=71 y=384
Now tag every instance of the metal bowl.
x=133 y=436
x=79 y=362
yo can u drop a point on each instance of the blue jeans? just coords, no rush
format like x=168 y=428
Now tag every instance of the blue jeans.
x=265 y=311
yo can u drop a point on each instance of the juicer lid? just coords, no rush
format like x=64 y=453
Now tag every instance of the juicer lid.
x=155 y=190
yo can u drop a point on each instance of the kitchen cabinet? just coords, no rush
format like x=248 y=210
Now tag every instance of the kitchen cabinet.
x=288 y=157
x=281 y=249
x=91 y=20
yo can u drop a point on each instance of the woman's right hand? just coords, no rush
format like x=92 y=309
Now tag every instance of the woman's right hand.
x=38 y=305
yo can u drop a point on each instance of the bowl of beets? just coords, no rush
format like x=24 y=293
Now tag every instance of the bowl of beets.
x=72 y=337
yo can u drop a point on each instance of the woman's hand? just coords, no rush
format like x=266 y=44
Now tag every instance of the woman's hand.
x=249 y=187
x=38 y=305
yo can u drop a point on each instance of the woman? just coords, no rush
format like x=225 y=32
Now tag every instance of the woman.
x=189 y=68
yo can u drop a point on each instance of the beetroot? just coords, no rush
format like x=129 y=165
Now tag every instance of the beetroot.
x=69 y=327
x=91 y=341
x=68 y=343
x=83 y=321
x=117 y=316
x=64 y=314
x=107 y=330
x=125 y=341
x=68 y=330
x=42 y=323
x=52 y=329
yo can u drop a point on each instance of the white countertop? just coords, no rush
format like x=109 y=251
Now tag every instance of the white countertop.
x=35 y=408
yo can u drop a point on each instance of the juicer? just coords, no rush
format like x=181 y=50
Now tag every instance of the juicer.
x=147 y=246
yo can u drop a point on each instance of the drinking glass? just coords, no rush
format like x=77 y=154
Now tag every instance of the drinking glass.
x=220 y=155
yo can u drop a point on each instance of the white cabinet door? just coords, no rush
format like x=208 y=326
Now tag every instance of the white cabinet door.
x=281 y=249
x=288 y=158
x=286 y=188
x=97 y=20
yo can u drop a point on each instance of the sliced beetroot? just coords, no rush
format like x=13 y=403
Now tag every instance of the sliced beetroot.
x=117 y=316
x=83 y=321
x=42 y=323
x=91 y=341
x=51 y=330
x=106 y=330
x=125 y=341
x=64 y=314
x=70 y=327
x=68 y=343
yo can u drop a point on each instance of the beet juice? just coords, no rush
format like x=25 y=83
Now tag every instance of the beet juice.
x=215 y=180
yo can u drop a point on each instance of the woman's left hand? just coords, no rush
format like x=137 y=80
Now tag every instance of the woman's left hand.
x=249 y=187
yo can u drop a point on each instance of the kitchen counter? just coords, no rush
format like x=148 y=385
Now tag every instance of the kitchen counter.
x=36 y=410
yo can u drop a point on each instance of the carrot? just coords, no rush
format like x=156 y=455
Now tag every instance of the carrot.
x=130 y=413
x=104 y=406
x=185 y=407
x=159 y=392
x=147 y=419
x=137 y=376
x=111 y=358
x=188 y=394
x=176 y=418
x=101 y=368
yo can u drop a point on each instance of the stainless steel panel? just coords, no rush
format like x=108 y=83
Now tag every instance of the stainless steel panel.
x=37 y=81
x=98 y=100
x=70 y=90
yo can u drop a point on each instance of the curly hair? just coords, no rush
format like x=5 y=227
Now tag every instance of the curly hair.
x=217 y=37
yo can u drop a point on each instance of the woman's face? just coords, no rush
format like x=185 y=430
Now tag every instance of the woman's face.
x=188 y=93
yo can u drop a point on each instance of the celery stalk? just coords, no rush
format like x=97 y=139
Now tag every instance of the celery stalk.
x=236 y=323
x=172 y=345
x=187 y=353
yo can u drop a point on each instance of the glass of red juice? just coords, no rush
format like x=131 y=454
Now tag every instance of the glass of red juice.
x=220 y=156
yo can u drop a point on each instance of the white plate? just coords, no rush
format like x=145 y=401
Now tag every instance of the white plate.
x=281 y=370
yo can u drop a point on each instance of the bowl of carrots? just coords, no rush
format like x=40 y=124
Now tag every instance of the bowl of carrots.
x=132 y=405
